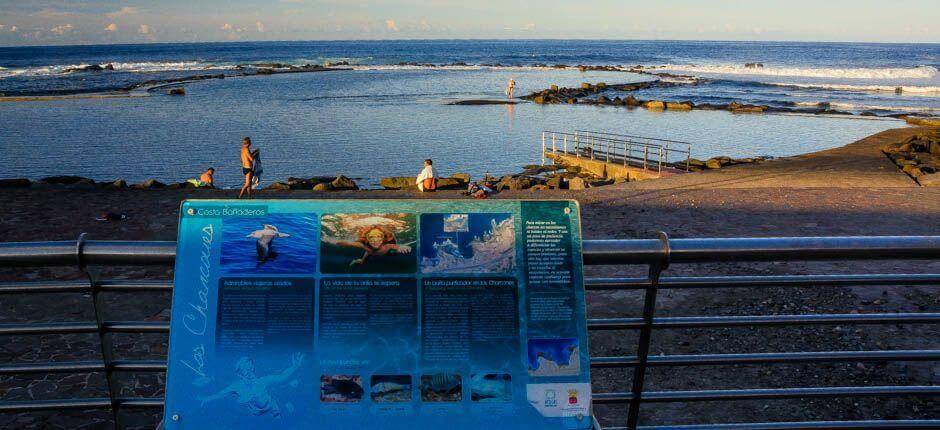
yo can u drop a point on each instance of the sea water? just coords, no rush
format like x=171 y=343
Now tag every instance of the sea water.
x=382 y=118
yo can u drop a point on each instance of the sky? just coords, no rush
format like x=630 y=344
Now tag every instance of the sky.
x=62 y=22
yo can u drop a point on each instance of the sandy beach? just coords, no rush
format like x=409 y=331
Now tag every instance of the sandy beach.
x=850 y=190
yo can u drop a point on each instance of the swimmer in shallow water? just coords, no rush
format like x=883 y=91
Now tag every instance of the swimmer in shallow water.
x=251 y=391
x=376 y=241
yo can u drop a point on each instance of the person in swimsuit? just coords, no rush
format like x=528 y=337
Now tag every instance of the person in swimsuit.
x=206 y=177
x=375 y=241
x=248 y=164
x=510 y=87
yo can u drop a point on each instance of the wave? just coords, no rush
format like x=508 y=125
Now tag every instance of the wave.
x=905 y=89
x=864 y=107
x=136 y=67
x=919 y=72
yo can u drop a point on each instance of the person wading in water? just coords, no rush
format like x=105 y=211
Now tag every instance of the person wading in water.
x=248 y=163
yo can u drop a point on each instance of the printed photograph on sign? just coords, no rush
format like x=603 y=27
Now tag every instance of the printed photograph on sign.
x=341 y=388
x=467 y=243
x=491 y=387
x=368 y=243
x=390 y=388
x=441 y=387
x=257 y=392
x=277 y=243
x=554 y=357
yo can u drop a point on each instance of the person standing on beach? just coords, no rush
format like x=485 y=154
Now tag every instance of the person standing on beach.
x=427 y=180
x=248 y=163
x=510 y=87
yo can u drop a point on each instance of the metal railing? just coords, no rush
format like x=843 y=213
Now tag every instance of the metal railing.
x=657 y=254
x=636 y=151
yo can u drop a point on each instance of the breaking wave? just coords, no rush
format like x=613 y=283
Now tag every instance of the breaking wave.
x=149 y=66
x=919 y=72
x=905 y=89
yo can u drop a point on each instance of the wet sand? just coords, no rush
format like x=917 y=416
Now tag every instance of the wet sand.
x=852 y=190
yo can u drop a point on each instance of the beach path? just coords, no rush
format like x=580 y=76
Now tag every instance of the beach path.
x=860 y=164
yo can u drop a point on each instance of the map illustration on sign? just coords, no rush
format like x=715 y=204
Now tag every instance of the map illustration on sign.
x=395 y=314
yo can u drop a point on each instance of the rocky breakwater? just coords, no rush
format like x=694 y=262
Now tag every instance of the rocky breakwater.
x=613 y=95
x=316 y=183
x=720 y=162
x=919 y=157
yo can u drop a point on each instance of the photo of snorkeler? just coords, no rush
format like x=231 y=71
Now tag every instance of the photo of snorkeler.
x=253 y=392
x=368 y=243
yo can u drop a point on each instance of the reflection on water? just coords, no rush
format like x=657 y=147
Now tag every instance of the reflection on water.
x=365 y=124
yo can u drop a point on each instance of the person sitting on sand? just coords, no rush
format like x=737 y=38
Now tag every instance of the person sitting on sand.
x=205 y=179
x=427 y=180
x=256 y=169
x=248 y=163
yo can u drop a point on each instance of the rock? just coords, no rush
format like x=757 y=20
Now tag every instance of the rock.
x=277 y=186
x=736 y=107
x=601 y=100
x=654 y=105
x=465 y=177
x=571 y=101
x=398 y=182
x=694 y=162
x=555 y=182
x=553 y=88
x=109 y=66
x=118 y=183
x=151 y=183
x=66 y=180
x=539 y=187
x=15 y=183
x=515 y=183
x=177 y=91
x=600 y=183
x=585 y=86
x=932 y=180
x=913 y=171
x=713 y=163
x=679 y=106
x=631 y=101
x=307 y=183
x=323 y=186
x=539 y=99
x=601 y=85
x=924 y=121
x=342 y=183
x=577 y=183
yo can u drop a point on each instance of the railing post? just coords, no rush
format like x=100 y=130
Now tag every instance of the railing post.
x=553 y=143
x=577 y=145
x=543 y=148
x=104 y=339
x=565 y=143
x=660 y=163
x=643 y=349
x=646 y=157
x=593 y=146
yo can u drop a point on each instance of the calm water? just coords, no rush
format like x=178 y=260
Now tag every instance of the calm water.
x=381 y=119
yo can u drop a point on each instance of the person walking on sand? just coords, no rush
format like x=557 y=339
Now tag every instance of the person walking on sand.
x=510 y=87
x=256 y=169
x=248 y=163
x=427 y=180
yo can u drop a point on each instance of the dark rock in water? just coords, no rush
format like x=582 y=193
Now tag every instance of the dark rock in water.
x=150 y=183
x=181 y=185
x=177 y=91
x=754 y=65
x=118 y=183
x=277 y=186
x=483 y=102
x=90 y=68
x=683 y=106
x=601 y=100
x=398 y=182
x=15 y=183
x=342 y=183
x=109 y=66
x=66 y=180
x=308 y=183
x=323 y=186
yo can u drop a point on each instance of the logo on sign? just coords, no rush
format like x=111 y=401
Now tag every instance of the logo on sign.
x=572 y=397
x=550 y=399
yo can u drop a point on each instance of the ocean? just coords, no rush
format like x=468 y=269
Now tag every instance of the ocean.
x=390 y=110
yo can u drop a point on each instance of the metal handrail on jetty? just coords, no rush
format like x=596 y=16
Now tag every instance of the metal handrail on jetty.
x=649 y=153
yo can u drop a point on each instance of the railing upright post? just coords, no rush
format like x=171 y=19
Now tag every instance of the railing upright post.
x=104 y=339
x=660 y=163
x=553 y=143
x=543 y=148
x=643 y=348
x=593 y=146
x=565 y=143
x=646 y=156
x=577 y=145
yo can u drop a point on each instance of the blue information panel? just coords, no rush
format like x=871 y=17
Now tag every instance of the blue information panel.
x=378 y=314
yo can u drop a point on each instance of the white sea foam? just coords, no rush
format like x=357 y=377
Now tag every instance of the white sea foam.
x=148 y=66
x=920 y=72
x=865 y=107
x=905 y=89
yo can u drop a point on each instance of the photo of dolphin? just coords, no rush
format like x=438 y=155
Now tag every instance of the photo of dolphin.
x=264 y=244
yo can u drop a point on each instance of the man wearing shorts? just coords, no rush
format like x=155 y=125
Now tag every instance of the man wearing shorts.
x=248 y=162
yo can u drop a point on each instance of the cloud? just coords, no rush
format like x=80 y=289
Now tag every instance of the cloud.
x=292 y=1
x=62 y=29
x=529 y=27
x=260 y=26
x=145 y=29
x=126 y=10
x=390 y=25
x=226 y=26
x=112 y=27
x=48 y=13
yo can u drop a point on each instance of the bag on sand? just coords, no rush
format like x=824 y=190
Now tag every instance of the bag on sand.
x=430 y=184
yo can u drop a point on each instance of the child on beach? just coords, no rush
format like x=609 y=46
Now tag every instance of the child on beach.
x=248 y=163
x=427 y=180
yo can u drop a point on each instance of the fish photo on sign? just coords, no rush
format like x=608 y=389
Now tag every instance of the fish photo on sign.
x=368 y=243
x=277 y=243
x=441 y=387
x=341 y=388
x=491 y=387
x=468 y=243
x=390 y=388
